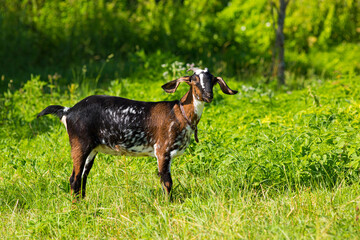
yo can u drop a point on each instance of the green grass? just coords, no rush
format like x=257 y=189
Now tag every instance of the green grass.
x=269 y=165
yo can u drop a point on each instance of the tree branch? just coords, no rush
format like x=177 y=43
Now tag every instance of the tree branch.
x=273 y=5
x=272 y=14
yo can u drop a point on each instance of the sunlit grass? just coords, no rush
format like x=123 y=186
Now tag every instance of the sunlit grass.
x=268 y=165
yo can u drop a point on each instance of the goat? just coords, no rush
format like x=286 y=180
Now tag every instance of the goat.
x=120 y=126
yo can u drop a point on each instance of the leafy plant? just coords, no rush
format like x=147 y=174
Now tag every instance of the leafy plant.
x=282 y=159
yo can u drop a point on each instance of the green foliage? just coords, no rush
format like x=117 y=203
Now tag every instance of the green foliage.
x=342 y=59
x=231 y=36
x=269 y=165
x=322 y=24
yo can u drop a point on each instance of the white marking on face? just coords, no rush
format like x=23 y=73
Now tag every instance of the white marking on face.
x=197 y=72
x=201 y=76
x=63 y=120
x=89 y=159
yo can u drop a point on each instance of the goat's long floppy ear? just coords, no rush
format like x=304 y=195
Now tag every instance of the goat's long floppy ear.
x=171 y=87
x=224 y=87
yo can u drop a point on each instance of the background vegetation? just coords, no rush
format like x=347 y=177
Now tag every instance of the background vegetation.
x=233 y=37
x=271 y=162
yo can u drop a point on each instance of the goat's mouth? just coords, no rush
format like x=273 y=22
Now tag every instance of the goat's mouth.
x=207 y=100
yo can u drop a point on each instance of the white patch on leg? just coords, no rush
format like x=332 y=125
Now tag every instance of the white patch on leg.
x=89 y=159
x=157 y=159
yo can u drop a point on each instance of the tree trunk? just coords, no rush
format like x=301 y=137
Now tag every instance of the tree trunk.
x=279 y=49
x=280 y=42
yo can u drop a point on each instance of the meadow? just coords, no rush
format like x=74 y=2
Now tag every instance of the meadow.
x=271 y=163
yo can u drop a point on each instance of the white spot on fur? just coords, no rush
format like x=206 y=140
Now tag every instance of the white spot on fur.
x=176 y=153
x=197 y=72
x=63 y=120
x=171 y=125
x=129 y=134
x=131 y=110
x=66 y=109
x=198 y=106
x=126 y=119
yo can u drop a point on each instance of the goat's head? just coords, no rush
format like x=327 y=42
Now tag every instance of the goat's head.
x=202 y=83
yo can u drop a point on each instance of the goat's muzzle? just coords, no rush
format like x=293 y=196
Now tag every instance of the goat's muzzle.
x=208 y=98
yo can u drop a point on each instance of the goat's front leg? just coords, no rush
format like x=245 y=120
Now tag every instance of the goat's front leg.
x=164 y=164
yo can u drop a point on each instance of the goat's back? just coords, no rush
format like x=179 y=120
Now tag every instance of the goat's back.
x=118 y=123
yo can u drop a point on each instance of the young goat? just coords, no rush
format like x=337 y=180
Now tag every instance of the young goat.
x=121 y=126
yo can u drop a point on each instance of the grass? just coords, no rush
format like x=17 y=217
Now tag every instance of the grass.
x=281 y=165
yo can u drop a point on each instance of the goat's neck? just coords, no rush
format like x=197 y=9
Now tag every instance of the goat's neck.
x=192 y=106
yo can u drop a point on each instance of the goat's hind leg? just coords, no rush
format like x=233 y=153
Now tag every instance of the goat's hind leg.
x=88 y=165
x=83 y=158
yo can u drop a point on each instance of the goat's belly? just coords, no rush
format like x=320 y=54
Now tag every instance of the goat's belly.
x=139 y=150
x=181 y=143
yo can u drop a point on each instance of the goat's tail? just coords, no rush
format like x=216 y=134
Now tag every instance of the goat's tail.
x=57 y=110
